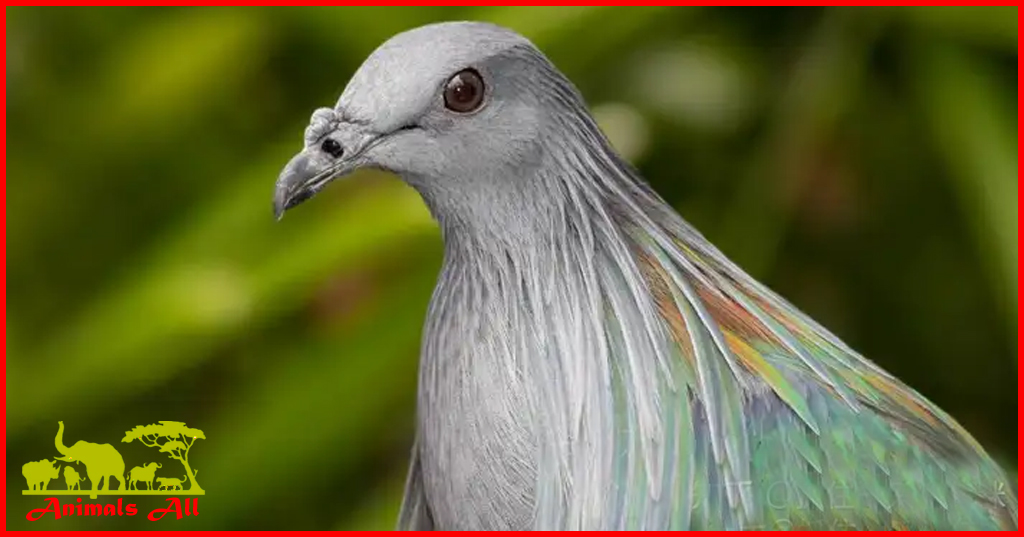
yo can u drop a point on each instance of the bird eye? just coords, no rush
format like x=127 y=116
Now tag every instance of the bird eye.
x=464 y=92
x=332 y=148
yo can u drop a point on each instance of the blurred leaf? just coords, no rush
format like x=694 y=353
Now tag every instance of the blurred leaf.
x=821 y=87
x=380 y=510
x=974 y=132
x=164 y=73
x=987 y=25
x=310 y=410
x=555 y=30
x=163 y=78
x=360 y=28
x=541 y=24
x=200 y=288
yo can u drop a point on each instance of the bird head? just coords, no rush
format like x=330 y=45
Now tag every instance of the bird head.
x=449 y=107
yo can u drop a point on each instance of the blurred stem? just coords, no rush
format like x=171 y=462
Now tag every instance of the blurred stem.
x=825 y=82
x=970 y=125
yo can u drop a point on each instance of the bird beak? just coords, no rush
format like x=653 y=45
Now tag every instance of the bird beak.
x=304 y=176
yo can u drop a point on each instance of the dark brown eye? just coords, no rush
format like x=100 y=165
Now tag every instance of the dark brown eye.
x=332 y=148
x=464 y=92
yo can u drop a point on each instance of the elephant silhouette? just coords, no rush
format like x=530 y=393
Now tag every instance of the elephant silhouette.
x=171 y=483
x=102 y=462
x=39 y=473
x=143 y=474
x=72 y=478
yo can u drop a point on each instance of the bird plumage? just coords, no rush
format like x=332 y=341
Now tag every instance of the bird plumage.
x=590 y=361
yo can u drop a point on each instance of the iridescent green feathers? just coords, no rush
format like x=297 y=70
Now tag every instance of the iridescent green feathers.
x=781 y=426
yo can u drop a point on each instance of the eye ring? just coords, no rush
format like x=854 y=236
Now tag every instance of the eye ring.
x=464 y=91
x=332 y=148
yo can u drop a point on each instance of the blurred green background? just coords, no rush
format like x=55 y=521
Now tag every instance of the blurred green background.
x=862 y=162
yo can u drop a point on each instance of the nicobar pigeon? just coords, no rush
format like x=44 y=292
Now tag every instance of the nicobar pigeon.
x=589 y=360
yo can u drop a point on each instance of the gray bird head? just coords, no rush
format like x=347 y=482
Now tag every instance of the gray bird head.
x=455 y=109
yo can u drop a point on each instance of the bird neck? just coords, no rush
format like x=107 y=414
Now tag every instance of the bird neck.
x=527 y=327
x=572 y=184
x=566 y=228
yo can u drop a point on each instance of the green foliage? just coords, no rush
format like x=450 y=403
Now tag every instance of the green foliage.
x=862 y=162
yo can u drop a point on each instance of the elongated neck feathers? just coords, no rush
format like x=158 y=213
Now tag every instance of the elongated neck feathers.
x=542 y=311
x=591 y=361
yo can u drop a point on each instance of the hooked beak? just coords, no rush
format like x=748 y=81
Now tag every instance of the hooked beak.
x=304 y=176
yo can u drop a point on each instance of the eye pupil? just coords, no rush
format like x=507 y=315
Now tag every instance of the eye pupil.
x=464 y=92
x=332 y=148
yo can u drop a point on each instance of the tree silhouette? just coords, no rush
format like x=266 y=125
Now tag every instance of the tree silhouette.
x=174 y=439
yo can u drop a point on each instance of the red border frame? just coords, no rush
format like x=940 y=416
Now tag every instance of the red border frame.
x=1020 y=79
x=3 y=330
